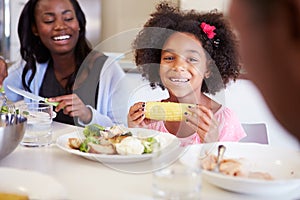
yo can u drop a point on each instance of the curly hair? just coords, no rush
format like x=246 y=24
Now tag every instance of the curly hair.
x=33 y=50
x=221 y=51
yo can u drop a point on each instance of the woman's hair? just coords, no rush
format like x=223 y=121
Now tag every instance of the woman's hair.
x=223 y=58
x=32 y=49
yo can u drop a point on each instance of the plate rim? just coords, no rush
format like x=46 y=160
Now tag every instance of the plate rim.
x=27 y=186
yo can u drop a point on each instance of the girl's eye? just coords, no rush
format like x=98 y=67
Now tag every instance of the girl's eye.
x=192 y=60
x=168 y=58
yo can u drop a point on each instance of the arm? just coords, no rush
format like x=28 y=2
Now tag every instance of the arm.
x=110 y=77
x=14 y=78
x=3 y=70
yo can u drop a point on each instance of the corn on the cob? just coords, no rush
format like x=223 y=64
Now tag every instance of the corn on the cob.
x=166 y=111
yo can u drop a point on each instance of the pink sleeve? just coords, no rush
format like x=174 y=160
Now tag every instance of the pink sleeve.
x=230 y=127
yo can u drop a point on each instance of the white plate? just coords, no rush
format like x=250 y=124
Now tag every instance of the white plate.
x=33 y=184
x=281 y=164
x=167 y=142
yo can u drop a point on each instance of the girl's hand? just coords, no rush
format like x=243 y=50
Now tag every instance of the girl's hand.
x=201 y=119
x=136 y=116
x=73 y=106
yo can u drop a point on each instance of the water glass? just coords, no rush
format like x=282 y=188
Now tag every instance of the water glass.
x=177 y=181
x=39 y=124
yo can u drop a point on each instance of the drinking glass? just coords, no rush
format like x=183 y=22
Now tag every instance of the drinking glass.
x=177 y=181
x=39 y=124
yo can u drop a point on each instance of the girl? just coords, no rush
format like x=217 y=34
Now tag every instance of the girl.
x=189 y=54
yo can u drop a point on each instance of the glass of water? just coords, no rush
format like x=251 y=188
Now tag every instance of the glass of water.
x=177 y=181
x=39 y=124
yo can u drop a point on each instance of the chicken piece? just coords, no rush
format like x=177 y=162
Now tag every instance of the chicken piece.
x=232 y=167
x=209 y=162
x=74 y=143
x=102 y=148
x=260 y=175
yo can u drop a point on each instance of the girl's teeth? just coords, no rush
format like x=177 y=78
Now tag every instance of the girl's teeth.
x=179 y=80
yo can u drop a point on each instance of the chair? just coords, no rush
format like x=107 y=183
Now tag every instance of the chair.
x=256 y=132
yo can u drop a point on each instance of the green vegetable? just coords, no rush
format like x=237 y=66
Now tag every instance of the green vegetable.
x=4 y=109
x=93 y=130
x=150 y=144
x=84 y=147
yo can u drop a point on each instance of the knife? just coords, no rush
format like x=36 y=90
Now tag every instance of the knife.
x=31 y=96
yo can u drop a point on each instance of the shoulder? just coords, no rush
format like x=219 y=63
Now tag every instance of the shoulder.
x=112 y=65
x=225 y=113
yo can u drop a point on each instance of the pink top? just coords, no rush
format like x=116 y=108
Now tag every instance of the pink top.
x=230 y=128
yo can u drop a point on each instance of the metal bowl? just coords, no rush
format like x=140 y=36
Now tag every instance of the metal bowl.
x=12 y=130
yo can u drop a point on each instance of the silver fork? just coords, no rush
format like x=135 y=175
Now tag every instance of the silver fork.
x=6 y=103
x=221 y=151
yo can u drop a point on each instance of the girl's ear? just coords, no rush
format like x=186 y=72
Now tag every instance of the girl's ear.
x=34 y=30
x=207 y=74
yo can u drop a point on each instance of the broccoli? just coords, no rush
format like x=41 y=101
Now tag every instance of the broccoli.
x=150 y=144
x=93 y=130
x=84 y=145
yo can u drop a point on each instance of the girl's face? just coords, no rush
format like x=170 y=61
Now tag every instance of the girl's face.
x=56 y=25
x=183 y=65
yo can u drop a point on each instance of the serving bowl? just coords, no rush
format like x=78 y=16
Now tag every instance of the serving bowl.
x=12 y=130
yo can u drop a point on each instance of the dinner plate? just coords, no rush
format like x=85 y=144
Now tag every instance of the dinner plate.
x=283 y=165
x=33 y=184
x=167 y=143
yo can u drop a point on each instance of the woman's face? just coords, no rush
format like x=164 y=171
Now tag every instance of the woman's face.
x=183 y=65
x=56 y=25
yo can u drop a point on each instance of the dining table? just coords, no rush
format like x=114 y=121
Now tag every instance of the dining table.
x=88 y=179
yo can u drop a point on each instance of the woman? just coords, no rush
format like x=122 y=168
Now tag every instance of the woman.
x=58 y=61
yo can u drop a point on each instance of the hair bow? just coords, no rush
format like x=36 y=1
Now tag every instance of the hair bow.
x=208 y=30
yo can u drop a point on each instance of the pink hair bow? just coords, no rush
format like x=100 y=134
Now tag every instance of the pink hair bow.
x=208 y=30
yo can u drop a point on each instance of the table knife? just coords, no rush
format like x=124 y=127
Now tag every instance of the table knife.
x=31 y=96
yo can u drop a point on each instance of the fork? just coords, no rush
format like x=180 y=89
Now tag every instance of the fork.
x=10 y=106
x=221 y=151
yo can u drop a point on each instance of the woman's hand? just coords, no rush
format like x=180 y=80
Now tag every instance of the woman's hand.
x=201 y=119
x=136 y=116
x=3 y=71
x=73 y=106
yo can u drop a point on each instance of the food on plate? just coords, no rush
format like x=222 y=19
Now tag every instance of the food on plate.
x=166 y=111
x=11 y=196
x=113 y=140
x=233 y=167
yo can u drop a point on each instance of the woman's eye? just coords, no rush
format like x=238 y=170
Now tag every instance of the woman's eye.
x=48 y=21
x=69 y=19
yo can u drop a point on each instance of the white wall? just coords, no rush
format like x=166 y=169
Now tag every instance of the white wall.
x=205 y=5
x=247 y=102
